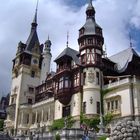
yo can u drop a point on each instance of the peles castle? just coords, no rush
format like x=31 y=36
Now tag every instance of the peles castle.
x=40 y=96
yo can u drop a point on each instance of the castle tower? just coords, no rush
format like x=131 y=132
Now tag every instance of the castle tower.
x=25 y=73
x=90 y=47
x=45 y=69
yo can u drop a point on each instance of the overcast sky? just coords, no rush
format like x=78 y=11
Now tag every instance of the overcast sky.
x=118 y=18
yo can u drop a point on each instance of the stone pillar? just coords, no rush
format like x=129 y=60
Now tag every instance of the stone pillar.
x=36 y=118
x=49 y=113
x=42 y=117
x=30 y=118
x=22 y=117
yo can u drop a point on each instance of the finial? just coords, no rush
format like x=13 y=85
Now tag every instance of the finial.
x=48 y=37
x=35 y=18
x=37 y=5
x=67 y=39
x=105 y=51
x=130 y=38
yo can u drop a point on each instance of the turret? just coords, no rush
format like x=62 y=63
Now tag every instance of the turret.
x=45 y=68
x=90 y=47
x=90 y=40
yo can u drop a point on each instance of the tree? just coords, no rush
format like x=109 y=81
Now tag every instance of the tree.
x=57 y=124
x=60 y=123
x=1 y=124
x=108 y=118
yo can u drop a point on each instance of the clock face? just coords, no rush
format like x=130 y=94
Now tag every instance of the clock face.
x=35 y=61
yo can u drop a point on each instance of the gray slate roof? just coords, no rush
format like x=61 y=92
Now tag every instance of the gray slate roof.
x=32 y=40
x=71 y=53
x=33 y=37
x=123 y=58
x=90 y=26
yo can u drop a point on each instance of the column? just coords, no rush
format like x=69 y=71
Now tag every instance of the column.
x=36 y=118
x=49 y=112
x=42 y=117
x=22 y=117
x=30 y=118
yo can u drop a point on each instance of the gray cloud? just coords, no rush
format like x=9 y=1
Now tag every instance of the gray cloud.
x=55 y=18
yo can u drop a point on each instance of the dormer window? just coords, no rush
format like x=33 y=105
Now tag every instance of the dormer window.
x=82 y=31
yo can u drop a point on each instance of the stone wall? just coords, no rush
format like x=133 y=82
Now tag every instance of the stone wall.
x=126 y=130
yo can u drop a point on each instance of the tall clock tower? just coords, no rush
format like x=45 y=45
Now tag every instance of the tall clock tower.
x=25 y=73
x=91 y=50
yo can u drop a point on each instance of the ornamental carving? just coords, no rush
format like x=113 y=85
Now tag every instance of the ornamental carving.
x=91 y=77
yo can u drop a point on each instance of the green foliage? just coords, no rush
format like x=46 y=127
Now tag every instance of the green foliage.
x=108 y=118
x=57 y=124
x=103 y=138
x=1 y=124
x=60 y=123
x=94 y=123
x=69 y=121
x=57 y=136
x=91 y=123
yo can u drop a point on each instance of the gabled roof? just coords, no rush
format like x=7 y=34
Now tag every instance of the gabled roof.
x=123 y=58
x=69 y=52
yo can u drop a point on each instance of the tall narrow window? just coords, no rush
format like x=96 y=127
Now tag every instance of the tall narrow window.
x=98 y=107
x=66 y=111
x=27 y=118
x=116 y=104
x=97 y=78
x=66 y=82
x=32 y=74
x=30 y=101
x=84 y=78
x=108 y=106
x=84 y=107
x=112 y=105
x=61 y=83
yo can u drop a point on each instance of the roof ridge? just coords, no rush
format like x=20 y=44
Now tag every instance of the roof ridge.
x=123 y=51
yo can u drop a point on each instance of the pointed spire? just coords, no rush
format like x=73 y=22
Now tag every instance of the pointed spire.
x=90 y=11
x=34 y=23
x=33 y=37
x=130 y=38
x=67 y=44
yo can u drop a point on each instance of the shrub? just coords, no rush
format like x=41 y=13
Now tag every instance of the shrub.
x=1 y=124
x=103 y=138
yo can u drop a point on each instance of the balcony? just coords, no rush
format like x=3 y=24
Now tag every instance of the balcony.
x=26 y=106
x=64 y=95
x=62 y=69
x=117 y=83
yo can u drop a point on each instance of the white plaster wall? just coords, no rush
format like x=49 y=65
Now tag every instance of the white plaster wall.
x=91 y=90
x=124 y=93
x=75 y=104
x=137 y=100
x=58 y=110
x=27 y=81
x=95 y=95
x=45 y=69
